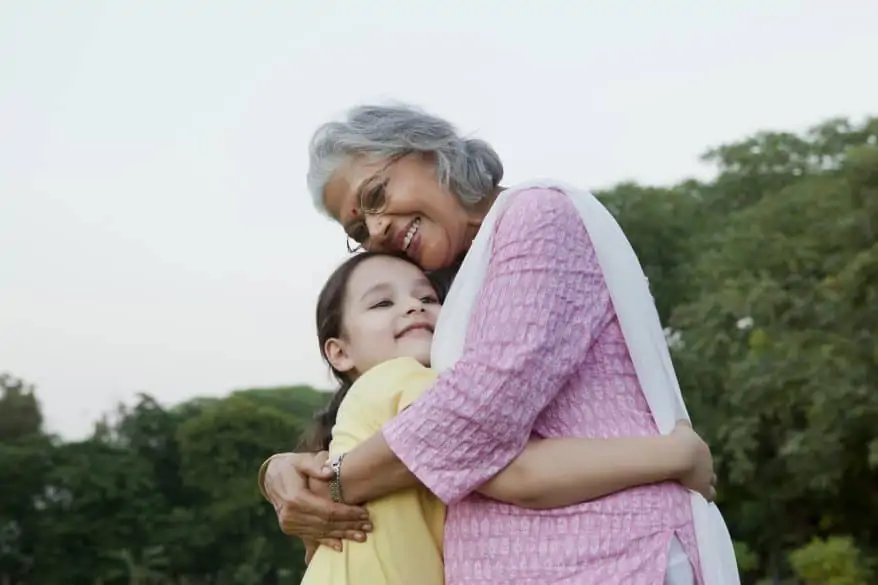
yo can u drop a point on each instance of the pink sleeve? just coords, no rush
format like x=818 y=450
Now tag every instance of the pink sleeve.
x=542 y=305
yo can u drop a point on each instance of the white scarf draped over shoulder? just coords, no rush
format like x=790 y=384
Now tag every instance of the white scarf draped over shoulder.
x=639 y=320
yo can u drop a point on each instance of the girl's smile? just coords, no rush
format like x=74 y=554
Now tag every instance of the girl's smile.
x=389 y=311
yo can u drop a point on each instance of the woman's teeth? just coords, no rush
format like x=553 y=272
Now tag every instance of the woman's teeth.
x=410 y=235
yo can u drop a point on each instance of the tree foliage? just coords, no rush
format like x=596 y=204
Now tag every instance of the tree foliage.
x=767 y=278
x=156 y=495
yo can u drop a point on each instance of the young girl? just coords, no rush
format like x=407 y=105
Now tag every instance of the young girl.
x=375 y=320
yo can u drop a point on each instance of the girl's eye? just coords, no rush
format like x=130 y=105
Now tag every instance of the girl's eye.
x=430 y=300
x=382 y=304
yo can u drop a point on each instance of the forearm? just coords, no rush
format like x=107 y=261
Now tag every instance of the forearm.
x=554 y=473
x=373 y=470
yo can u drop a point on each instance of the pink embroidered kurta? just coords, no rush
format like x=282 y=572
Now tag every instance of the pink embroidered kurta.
x=545 y=357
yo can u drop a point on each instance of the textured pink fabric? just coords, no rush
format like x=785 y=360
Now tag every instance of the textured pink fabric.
x=544 y=356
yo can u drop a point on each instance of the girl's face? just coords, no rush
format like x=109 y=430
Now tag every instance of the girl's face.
x=399 y=206
x=389 y=311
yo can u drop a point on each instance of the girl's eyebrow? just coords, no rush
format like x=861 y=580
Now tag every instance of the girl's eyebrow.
x=381 y=286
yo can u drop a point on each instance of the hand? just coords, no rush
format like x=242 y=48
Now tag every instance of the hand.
x=320 y=488
x=697 y=470
x=304 y=514
x=310 y=549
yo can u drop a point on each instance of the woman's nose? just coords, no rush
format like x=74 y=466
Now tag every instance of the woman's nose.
x=379 y=229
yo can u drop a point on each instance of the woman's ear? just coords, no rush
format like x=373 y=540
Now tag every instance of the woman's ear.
x=337 y=355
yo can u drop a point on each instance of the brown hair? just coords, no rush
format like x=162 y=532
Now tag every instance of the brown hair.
x=330 y=308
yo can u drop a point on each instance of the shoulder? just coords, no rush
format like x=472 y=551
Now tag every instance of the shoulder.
x=384 y=383
x=541 y=211
x=538 y=201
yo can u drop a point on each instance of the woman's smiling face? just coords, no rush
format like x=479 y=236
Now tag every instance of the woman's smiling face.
x=398 y=205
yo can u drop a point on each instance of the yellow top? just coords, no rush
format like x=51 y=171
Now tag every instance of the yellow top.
x=405 y=547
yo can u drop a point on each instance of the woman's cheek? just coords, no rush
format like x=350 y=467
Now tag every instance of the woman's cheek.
x=430 y=254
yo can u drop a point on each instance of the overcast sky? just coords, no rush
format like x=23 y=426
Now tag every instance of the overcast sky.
x=155 y=230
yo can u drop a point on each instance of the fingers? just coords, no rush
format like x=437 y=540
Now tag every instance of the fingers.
x=340 y=514
x=304 y=526
x=305 y=503
x=350 y=531
x=333 y=543
x=297 y=525
x=322 y=459
x=313 y=466
x=306 y=515
x=339 y=528
x=710 y=492
x=356 y=534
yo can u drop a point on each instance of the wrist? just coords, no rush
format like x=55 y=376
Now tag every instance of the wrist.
x=269 y=473
x=678 y=458
x=262 y=476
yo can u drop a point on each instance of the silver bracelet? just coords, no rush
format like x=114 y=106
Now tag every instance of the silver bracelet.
x=335 y=482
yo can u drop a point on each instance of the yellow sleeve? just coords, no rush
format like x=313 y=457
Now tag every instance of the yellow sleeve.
x=415 y=382
x=376 y=397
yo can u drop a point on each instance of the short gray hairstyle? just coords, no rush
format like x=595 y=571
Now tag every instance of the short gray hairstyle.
x=468 y=167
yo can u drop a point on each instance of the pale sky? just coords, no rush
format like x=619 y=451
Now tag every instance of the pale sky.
x=155 y=230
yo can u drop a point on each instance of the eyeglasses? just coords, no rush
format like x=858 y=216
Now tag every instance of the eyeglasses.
x=371 y=200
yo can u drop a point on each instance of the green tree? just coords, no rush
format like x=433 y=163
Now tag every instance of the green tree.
x=661 y=224
x=20 y=414
x=220 y=449
x=155 y=496
x=834 y=561
x=777 y=340
x=24 y=464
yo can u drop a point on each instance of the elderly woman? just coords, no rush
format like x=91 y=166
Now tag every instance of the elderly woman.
x=548 y=330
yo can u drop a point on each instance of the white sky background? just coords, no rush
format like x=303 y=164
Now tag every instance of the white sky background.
x=155 y=230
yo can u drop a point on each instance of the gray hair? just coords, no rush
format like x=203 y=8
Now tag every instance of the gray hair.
x=468 y=167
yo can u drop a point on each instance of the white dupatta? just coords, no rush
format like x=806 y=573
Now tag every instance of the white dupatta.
x=638 y=318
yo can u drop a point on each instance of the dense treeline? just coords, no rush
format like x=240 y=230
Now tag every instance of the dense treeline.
x=767 y=279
